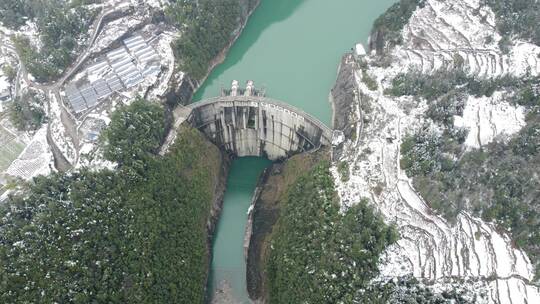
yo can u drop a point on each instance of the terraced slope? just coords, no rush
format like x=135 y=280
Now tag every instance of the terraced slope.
x=462 y=34
x=440 y=36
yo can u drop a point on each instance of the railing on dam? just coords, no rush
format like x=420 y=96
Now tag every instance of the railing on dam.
x=256 y=126
x=267 y=100
x=251 y=124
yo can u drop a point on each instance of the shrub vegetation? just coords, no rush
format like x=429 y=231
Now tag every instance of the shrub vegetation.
x=26 y=112
x=517 y=18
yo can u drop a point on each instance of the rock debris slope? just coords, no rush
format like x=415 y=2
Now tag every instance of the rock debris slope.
x=471 y=252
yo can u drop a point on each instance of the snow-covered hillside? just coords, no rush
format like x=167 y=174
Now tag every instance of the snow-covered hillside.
x=444 y=34
x=441 y=35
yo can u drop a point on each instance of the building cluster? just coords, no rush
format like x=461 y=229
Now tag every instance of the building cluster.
x=121 y=69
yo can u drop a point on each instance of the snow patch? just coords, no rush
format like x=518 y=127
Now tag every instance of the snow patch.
x=36 y=159
x=4 y=84
x=489 y=118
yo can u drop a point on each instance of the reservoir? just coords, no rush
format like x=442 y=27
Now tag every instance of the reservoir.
x=293 y=49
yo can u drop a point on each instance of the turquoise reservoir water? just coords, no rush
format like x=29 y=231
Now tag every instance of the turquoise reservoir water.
x=293 y=48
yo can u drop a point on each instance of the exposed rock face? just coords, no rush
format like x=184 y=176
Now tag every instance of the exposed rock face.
x=219 y=193
x=343 y=96
x=181 y=91
x=346 y=114
x=265 y=216
x=376 y=41
x=217 y=206
x=441 y=35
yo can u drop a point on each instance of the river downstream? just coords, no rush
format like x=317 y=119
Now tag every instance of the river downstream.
x=293 y=49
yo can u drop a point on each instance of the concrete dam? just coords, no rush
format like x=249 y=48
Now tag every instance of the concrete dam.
x=246 y=123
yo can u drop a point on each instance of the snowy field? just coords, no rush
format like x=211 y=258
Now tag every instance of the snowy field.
x=36 y=159
x=447 y=34
x=10 y=148
x=489 y=118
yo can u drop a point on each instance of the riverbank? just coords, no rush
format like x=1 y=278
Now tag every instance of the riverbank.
x=223 y=54
x=274 y=186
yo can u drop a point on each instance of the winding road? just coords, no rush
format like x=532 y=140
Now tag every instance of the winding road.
x=53 y=88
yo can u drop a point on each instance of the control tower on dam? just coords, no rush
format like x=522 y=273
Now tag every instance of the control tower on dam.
x=246 y=123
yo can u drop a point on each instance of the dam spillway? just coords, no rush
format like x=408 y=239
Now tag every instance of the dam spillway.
x=246 y=123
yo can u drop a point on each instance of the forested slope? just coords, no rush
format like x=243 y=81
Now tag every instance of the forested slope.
x=208 y=26
x=319 y=255
x=62 y=27
x=135 y=235
x=498 y=182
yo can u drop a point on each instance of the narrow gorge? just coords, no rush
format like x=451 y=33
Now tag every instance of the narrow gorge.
x=275 y=44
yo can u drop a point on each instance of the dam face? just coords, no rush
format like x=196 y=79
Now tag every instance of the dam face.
x=246 y=123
